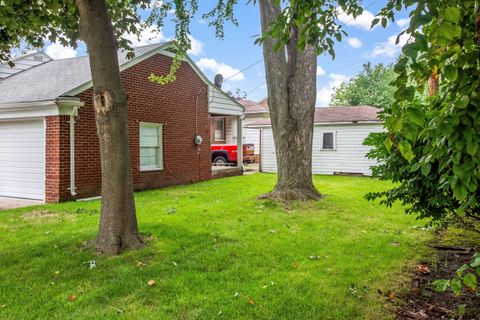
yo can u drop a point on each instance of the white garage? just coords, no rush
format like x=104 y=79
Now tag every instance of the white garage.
x=338 y=138
x=22 y=159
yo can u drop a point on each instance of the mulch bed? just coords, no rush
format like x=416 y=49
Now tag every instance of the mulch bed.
x=422 y=302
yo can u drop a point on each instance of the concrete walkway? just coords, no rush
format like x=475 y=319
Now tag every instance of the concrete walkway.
x=11 y=203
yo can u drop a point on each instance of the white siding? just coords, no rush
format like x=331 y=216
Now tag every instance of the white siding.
x=22 y=159
x=252 y=135
x=220 y=103
x=348 y=157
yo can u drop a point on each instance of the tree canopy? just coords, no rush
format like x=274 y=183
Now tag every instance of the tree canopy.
x=431 y=150
x=371 y=86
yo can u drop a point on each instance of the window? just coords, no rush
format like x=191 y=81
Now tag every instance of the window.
x=328 y=141
x=151 y=146
x=219 y=129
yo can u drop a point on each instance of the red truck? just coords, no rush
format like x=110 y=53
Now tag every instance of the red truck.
x=223 y=154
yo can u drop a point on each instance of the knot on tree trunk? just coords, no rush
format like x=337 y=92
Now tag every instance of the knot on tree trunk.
x=102 y=101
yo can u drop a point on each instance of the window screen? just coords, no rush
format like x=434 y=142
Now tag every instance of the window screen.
x=328 y=143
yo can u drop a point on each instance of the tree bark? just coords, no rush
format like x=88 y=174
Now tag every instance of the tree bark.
x=118 y=223
x=291 y=86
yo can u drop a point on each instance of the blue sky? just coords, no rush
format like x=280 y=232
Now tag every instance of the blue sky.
x=237 y=51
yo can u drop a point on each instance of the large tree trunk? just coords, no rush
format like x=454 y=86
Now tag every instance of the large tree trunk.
x=291 y=83
x=118 y=223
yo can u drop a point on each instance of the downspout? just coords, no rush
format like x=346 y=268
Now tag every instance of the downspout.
x=72 y=152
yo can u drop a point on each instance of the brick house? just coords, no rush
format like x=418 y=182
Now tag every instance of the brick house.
x=49 y=147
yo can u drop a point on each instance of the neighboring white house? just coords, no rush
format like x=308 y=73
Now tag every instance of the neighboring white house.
x=338 y=138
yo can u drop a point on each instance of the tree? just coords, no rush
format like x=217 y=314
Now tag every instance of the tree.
x=372 y=86
x=431 y=150
x=100 y=24
x=292 y=37
x=118 y=224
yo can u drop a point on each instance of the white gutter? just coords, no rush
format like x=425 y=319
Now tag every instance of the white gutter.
x=72 y=152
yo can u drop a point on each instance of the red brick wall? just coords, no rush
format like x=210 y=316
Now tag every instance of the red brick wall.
x=172 y=105
x=57 y=169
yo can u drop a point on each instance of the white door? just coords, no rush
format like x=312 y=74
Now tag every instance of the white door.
x=22 y=159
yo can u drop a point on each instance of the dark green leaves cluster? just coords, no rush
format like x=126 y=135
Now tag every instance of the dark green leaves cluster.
x=31 y=23
x=372 y=86
x=432 y=146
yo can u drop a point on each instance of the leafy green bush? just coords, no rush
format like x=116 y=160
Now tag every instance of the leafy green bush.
x=431 y=147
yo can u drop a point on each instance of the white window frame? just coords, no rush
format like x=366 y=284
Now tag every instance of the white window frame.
x=159 y=127
x=322 y=134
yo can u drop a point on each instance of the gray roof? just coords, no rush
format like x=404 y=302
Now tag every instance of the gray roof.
x=53 y=79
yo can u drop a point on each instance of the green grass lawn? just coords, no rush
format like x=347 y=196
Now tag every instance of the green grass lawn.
x=215 y=252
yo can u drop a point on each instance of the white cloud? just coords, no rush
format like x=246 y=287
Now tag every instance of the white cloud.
x=218 y=67
x=354 y=42
x=389 y=48
x=196 y=46
x=320 y=71
x=403 y=22
x=363 y=21
x=148 y=36
x=324 y=95
x=58 y=51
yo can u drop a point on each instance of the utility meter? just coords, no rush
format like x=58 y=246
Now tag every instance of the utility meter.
x=198 y=140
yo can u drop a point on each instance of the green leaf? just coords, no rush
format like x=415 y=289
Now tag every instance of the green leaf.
x=384 y=22
x=411 y=49
x=450 y=72
x=462 y=269
x=388 y=143
x=463 y=102
x=459 y=191
x=452 y=14
x=406 y=150
x=415 y=115
x=440 y=285
x=426 y=169
x=472 y=147
x=375 y=22
x=405 y=93
x=456 y=285
x=476 y=262
x=470 y=281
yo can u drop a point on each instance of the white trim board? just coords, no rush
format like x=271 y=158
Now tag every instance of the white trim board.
x=39 y=109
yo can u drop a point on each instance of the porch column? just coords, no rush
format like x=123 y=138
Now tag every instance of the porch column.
x=239 y=142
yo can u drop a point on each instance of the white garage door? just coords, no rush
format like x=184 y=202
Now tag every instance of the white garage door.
x=22 y=159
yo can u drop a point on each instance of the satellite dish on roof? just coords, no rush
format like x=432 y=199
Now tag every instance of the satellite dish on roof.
x=218 y=81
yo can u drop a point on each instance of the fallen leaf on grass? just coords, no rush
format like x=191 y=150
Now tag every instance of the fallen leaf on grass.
x=313 y=257
x=295 y=265
x=391 y=295
x=423 y=269
x=395 y=243
x=250 y=301
x=3 y=306
x=151 y=282
x=73 y=297
x=141 y=264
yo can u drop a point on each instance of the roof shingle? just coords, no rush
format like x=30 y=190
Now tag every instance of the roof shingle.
x=52 y=79
x=337 y=115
